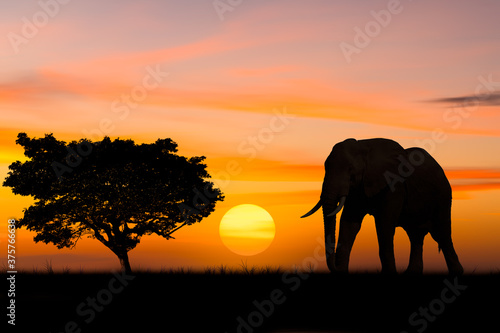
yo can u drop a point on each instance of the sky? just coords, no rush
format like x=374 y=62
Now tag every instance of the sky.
x=263 y=89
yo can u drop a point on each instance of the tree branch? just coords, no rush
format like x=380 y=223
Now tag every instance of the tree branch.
x=175 y=229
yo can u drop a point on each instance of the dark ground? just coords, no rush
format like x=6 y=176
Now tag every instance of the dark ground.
x=169 y=302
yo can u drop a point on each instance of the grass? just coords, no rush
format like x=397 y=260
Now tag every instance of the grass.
x=212 y=299
x=221 y=269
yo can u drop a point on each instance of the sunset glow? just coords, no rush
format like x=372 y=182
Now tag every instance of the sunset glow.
x=264 y=93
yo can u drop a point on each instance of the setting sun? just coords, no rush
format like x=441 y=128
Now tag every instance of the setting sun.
x=247 y=229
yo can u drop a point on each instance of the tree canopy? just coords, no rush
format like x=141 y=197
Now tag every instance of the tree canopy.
x=113 y=191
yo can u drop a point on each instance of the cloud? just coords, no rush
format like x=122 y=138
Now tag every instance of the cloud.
x=299 y=177
x=487 y=99
x=476 y=187
x=263 y=170
x=465 y=180
x=472 y=173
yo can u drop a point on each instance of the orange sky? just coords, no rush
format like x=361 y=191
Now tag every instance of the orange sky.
x=264 y=94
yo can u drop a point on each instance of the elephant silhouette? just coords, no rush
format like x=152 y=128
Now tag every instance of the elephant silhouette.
x=399 y=187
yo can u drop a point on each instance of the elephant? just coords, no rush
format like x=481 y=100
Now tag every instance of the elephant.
x=399 y=187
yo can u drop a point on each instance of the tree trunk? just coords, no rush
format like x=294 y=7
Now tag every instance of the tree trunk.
x=125 y=262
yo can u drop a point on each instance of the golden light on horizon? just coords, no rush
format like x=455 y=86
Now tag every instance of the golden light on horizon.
x=247 y=229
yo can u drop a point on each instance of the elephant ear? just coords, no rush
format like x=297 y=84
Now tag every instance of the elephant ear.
x=381 y=160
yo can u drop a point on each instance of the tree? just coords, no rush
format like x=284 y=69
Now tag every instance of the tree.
x=113 y=191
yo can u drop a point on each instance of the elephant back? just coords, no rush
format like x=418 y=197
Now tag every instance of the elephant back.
x=427 y=187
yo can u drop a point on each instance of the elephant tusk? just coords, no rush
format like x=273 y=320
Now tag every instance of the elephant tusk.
x=339 y=207
x=312 y=211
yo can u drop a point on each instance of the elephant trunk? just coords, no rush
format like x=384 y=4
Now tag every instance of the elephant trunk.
x=332 y=203
x=330 y=209
x=329 y=225
x=333 y=197
x=329 y=221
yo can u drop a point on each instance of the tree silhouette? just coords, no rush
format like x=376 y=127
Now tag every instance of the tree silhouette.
x=113 y=191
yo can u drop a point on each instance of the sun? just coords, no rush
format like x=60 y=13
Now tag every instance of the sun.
x=247 y=229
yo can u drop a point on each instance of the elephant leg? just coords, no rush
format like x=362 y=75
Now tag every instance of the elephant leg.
x=385 y=235
x=450 y=256
x=441 y=233
x=387 y=217
x=347 y=235
x=416 y=265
